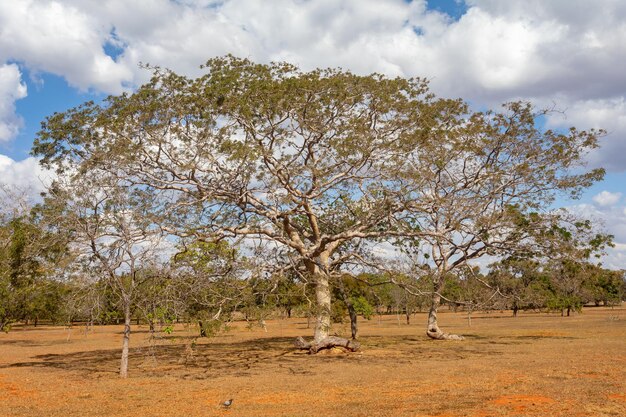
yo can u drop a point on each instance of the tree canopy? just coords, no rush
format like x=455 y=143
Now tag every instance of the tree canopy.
x=310 y=163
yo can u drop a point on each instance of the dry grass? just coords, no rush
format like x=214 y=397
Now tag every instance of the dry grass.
x=532 y=365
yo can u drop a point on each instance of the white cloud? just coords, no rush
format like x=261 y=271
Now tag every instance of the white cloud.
x=496 y=51
x=570 y=52
x=26 y=175
x=54 y=36
x=608 y=114
x=615 y=257
x=11 y=89
x=607 y=198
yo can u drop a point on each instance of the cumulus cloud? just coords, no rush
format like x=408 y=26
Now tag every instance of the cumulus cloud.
x=607 y=198
x=497 y=50
x=57 y=37
x=26 y=175
x=570 y=52
x=608 y=114
x=11 y=89
x=567 y=52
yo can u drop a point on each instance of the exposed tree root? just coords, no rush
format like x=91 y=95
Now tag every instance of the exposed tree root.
x=327 y=343
x=437 y=334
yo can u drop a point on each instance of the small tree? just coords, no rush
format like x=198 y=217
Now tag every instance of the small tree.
x=209 y=282
x=521 y=282
x=112 y=235
x=353 y=293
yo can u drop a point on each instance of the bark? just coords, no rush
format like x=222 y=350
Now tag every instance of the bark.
x=322 y=295
x=433 y=331
x=327 y=343
x=354 y=326
x=202 y=328
x=125 y=341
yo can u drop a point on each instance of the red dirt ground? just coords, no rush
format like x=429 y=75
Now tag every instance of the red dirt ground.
x=532 y=365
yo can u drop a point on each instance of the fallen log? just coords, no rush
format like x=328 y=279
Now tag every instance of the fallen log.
x=327 y=343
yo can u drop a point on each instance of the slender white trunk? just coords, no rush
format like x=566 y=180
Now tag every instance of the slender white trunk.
x=433 y=328
x=322 y=295
x=433 y=331
x=125 y=341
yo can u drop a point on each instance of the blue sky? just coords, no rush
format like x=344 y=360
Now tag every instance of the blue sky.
x=47 y=93
x=57 y=54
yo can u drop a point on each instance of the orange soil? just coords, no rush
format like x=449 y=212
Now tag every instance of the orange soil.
x=532 y=365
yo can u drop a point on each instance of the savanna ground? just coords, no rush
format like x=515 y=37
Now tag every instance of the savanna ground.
x=532 y=365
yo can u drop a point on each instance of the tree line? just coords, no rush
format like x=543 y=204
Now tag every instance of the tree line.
x=201 y=197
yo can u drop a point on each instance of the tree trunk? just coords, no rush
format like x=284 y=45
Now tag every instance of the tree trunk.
x=354 y=327
x=568 y=310
x=202 y=328
x=407 y=312
x=125 y=341
x=433 y=331
x=322 y=295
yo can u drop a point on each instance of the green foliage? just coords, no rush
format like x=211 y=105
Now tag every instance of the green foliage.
x=338 y=312
x=363 y=307
x=608 y=287
x=28 y=258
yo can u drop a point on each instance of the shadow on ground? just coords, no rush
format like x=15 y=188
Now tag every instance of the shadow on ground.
x=193 y=358
x=181 y=357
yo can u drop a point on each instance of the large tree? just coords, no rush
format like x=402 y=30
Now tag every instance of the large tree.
x=313 y=161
